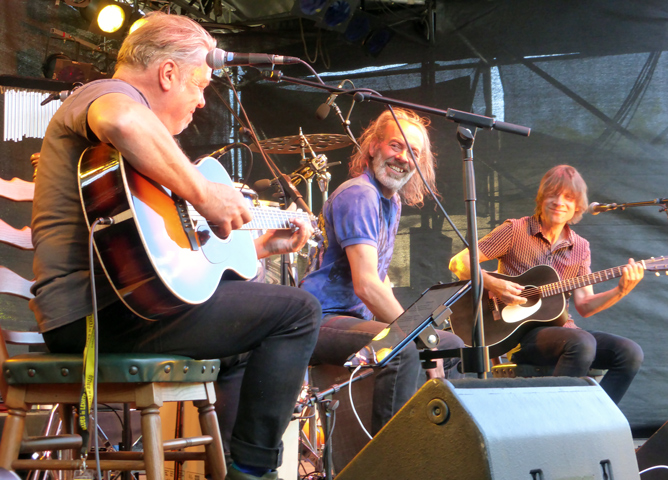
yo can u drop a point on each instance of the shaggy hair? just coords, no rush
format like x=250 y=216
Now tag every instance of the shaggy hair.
x=558 y=179
x=414 y=191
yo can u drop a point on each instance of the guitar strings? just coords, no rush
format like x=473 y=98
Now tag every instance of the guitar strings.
x=278 y=219
x=566 y=285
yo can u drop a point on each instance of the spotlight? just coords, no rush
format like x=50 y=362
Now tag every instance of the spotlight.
x=358 y=28
x=310 y=7
x=338 y=14
x=378 y=39
x=109 y=18
x=136 y=20
x=327 y=14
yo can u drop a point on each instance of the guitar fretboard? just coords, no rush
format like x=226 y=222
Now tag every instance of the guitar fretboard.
x=578 y=282
x=267 y=218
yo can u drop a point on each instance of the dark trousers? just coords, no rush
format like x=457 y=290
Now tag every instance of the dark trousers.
x=574 y=351
x=339 y=337
x=275 y=325
x=396 y=383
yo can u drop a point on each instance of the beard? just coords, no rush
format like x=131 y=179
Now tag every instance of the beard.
x=392 y=180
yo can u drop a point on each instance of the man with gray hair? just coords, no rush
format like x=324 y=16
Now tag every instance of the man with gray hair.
x=159 y=82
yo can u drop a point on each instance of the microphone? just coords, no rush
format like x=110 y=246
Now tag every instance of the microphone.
x=323 y=110
x=262 y=185
x=56 y=96
x=595 y=208
x=217 y=59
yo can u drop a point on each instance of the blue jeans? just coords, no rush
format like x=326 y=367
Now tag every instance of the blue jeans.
x=275 y=325
x=575 y=351
x=396 y=383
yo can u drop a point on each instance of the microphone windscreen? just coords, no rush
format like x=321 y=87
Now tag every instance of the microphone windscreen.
x=262 y=185
x=215 y=59
x=591 y=209
x=322 y=111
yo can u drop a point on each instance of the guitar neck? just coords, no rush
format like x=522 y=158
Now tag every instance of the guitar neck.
x=582 y=281
x=265 y=218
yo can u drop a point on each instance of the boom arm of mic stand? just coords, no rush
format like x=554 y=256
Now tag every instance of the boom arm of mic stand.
x=457 y=116
x=656 y=201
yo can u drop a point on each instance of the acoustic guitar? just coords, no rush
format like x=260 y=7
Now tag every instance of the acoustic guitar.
x=505 y=325
x=159 y=254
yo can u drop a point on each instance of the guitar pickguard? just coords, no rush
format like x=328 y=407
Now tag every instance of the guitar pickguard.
x=517 y=313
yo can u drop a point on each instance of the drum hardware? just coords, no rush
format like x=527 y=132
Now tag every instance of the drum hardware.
x=318 y=142
x=316 y=166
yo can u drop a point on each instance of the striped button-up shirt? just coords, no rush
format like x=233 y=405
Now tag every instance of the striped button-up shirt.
x=519 y=245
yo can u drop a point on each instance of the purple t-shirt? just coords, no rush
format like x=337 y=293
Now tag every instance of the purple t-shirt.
x=356 y=213
x=59 y=232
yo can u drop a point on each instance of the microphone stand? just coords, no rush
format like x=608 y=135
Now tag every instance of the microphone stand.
x=476 y=358
x=345 y=122
x=656 y=201
x=362 y=94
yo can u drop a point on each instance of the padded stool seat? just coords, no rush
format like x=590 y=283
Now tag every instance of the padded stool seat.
x=40 y=368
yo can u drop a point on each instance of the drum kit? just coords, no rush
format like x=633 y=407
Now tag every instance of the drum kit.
x=313 y=162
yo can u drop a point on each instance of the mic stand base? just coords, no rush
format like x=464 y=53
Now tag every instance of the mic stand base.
x=325 y=399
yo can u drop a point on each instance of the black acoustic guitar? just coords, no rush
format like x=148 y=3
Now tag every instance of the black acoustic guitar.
x=160 y=255
x=504 y=325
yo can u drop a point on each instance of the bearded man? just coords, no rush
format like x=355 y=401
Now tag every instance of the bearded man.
x=348 y=269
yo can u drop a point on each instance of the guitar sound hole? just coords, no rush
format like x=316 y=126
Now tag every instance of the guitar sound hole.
x=203 y=236
x=532 y=295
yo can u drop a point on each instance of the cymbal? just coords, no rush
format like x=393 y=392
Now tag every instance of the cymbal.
x=320 y=142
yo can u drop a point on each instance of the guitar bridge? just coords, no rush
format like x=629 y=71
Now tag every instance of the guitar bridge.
x=186 y=222
x=494 y=306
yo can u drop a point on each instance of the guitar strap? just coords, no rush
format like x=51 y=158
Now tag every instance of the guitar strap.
x=88 y=376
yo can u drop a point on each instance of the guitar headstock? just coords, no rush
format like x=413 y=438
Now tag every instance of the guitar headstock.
x=656 y=264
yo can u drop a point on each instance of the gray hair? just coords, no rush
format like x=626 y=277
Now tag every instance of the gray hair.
x=414 y=191
x=162 y=37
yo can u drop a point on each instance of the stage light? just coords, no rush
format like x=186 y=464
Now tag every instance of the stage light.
x=327 y=14
x=378 y=39
x=109 y=18
x=136 y=21
x=358 y=28
x=337 y=13
x=310 y=7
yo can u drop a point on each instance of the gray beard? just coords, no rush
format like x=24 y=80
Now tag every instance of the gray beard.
x=394 y=184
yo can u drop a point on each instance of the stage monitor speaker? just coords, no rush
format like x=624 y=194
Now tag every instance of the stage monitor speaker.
x=654 y=452
x=552 y=428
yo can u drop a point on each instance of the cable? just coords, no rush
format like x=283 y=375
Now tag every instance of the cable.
x=665 y=467
x=318 y=47
x=221 y=151
x=273 y=168
x=431 y=192
x=352 y=404
x=91 y=266
x=115 y=412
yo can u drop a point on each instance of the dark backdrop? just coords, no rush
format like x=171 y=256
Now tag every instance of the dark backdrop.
x=589 y=79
